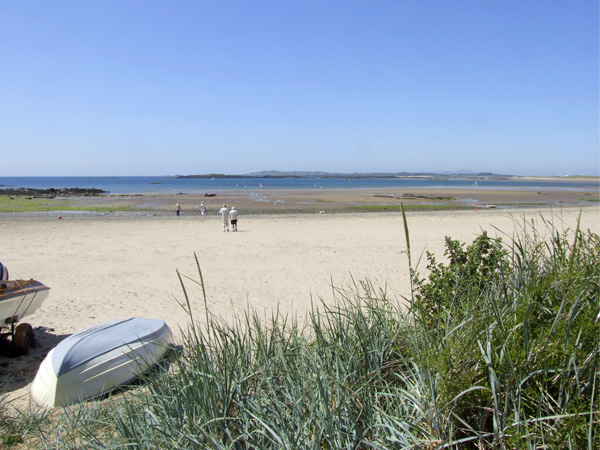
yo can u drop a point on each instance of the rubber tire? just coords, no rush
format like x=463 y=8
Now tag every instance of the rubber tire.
x=24 y=338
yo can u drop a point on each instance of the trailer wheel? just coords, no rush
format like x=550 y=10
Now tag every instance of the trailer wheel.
x=23 y=338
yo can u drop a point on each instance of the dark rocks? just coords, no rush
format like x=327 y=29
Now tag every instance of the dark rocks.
x=52 y=192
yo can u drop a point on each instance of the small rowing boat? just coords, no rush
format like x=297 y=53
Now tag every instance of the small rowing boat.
x=99 y=359
x=19 y=299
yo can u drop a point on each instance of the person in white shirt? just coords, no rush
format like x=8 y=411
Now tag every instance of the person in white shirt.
x=225 y=217
x=233 y=215
x=202 y=208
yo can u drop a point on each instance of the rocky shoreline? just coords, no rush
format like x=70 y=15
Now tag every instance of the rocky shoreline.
x=52 y=192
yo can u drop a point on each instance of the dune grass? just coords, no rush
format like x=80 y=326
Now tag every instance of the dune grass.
x=497 y=348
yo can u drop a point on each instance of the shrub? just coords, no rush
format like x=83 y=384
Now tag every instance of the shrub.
x=513 y=338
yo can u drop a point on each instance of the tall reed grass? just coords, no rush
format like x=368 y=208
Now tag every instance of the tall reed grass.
x=497 y=348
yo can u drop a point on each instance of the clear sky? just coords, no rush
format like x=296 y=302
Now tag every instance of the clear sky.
x=190 y=87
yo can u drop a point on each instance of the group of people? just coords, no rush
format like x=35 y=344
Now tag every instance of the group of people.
x=227 y=216
x=178 y=209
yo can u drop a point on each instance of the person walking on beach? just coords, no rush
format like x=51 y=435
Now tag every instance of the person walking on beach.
x=202 y=209
x=233 y=215
x=177 y=208
x=225 y=217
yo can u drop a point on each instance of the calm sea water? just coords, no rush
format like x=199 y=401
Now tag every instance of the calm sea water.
x=139 y=185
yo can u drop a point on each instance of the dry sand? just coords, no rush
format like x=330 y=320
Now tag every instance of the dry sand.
x=105 y=267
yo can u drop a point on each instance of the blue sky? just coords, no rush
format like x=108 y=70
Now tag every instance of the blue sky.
x=188 y=87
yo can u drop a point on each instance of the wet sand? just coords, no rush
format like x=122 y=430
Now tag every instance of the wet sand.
x=257 y=201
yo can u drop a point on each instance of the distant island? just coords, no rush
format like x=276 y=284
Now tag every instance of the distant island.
x=357 y=175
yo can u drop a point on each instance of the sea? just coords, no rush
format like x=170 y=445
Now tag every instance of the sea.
x=176 y=185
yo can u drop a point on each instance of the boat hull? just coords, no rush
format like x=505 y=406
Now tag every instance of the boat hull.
x=20 y=298
x=99 y=359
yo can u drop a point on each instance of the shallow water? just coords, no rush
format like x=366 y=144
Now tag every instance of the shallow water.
x=171 y=185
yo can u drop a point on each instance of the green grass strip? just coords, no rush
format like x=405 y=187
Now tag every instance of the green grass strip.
x=33 y=204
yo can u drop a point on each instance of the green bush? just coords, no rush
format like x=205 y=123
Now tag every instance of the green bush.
x=513 y=336
x=467 y=275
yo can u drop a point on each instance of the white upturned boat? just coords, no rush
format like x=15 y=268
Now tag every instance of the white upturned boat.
x=18 y=299
x=99 y=359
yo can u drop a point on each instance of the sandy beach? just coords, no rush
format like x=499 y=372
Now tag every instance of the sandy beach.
x=108 y=266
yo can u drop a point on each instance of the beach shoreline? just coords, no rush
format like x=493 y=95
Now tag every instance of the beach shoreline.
x=273 y=201
x=317 y=198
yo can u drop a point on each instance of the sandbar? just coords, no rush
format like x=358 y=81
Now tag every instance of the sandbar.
x=266 y=201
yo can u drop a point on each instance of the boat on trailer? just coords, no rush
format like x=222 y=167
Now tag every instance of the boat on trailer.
x=19 y=299
x=97 y=360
